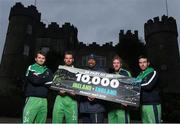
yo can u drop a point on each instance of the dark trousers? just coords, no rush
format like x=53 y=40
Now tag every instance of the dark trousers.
x=92 y=117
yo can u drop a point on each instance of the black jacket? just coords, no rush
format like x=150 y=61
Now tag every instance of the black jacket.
x=35 y=84
x=150 y=89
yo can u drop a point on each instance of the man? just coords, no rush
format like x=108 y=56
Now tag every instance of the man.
x=118 y=113
x=91 y=109
x=65 y=103
x=35 y=110
x=150 y=99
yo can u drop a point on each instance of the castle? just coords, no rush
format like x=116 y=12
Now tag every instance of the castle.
x=27 y=33
x=162 y=48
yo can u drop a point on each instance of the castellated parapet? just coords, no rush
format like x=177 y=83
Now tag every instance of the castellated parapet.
x=19 y=10
x=161 y=38
x=55 y=31
x=128 y=34
x=166 y=24
x=161 y=41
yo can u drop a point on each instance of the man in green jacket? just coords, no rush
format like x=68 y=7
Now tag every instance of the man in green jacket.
x=35 y=110
x=118 y=113
x=65 y=104
x=150 y=98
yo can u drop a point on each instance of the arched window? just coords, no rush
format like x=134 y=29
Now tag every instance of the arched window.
x=26 y=50
x=29 y=29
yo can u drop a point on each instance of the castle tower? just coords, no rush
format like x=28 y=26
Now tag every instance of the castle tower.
x=128 y=35
x=58 y=39
x=19 y=44
x=70 y=35
x=55 y=40
x=162 y=48
x=129 y=48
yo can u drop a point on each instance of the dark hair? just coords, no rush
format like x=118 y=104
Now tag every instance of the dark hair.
x=69 y=53
x=144 y=57
x=40 y=52
x=117 y=57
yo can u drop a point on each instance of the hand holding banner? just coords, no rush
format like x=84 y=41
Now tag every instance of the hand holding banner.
x=111 y=87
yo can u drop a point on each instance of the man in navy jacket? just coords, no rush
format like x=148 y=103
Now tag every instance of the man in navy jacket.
x=92 y=109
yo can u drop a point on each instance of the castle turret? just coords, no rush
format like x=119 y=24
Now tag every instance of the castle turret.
x=128 y=35
x=19 y=44
x=57 y=39
x=70 y=35
x=129 y=48
x=17 y=55
x=162 y=48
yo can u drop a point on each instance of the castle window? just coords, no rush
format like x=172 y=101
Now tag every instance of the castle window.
x=101 y=61
x=29 y=29
x=163 y=67
x=84 y=61
x=26 y=50
x=161 y=46
x=45 y=49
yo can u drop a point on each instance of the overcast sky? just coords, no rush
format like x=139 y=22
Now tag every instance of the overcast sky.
x=97 y=20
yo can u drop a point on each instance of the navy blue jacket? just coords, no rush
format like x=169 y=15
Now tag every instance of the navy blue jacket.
x=95 y=106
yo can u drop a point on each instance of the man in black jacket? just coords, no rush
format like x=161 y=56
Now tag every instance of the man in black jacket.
x=35 y=110
x=92 y=109
x=150 y=99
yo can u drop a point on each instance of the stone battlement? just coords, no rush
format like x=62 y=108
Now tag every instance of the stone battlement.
x=19 y=10
x=128 y=34
x=155 y=25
